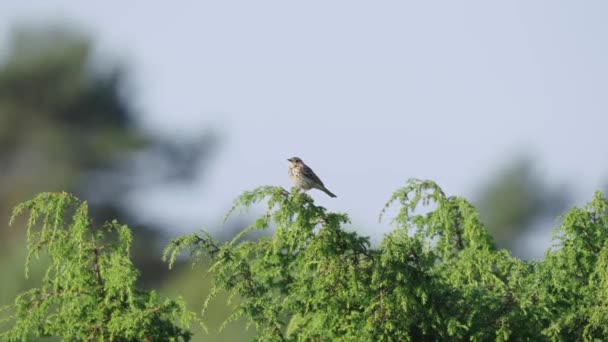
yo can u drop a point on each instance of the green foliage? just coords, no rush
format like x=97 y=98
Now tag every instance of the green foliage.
x=88 y=291
x=573 y=279
x=437 y=276
x=67 y=122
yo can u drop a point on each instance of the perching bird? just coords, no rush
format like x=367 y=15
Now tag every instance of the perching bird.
x=304 y=177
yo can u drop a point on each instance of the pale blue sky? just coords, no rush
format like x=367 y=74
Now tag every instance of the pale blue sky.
x=367 y=93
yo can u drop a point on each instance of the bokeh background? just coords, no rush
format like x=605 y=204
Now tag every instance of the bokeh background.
x=160 y=114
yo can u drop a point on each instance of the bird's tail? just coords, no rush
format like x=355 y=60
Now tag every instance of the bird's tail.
x=324 y=189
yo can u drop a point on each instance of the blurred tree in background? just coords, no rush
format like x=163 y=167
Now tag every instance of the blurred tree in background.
x=67 y=124
x=516 y=200
x=58 y=117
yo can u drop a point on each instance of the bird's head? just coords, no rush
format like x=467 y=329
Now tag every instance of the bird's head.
x=295 y=161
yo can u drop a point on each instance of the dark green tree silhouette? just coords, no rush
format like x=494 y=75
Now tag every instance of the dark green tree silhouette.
x=67 y=123
x=60 y=116
x=516 y=199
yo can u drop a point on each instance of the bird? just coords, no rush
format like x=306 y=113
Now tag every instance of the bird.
x=304 y=177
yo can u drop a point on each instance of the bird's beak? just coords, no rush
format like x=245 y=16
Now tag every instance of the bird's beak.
x=289 y=159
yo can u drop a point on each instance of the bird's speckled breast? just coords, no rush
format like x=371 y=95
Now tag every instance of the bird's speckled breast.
x=295 y=173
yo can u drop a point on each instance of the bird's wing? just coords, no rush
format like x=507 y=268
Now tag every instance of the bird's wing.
x=308 y=172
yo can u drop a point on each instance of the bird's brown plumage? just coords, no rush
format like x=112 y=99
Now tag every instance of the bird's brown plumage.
x=304 y=177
